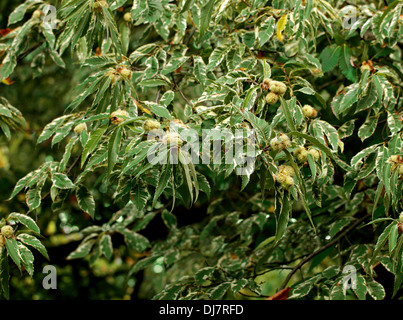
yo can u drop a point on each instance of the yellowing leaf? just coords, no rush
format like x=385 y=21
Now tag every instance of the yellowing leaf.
x=280 y=27
x=141 y=107
x=7 y=81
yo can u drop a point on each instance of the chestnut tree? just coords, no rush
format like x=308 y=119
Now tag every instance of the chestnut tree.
x=313 y=195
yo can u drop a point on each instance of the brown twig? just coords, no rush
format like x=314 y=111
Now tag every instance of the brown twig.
x=73 y=165
x=281 y=65
x=192 y=31
x=244 y=1
x=181 y=93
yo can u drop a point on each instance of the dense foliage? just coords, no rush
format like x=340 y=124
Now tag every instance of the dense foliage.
x=314 y=190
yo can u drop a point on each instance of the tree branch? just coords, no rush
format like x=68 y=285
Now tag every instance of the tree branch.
x=181 y=93
x=313 y=254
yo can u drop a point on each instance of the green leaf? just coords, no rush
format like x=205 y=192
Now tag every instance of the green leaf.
x=150 y=10
x=238 y=285
x=85 y=200
x=338 y=225
x=375 y=289
x=62 y=132
x=6 y=130
x=330 y=272
x=206 y=13
x=159 y=110
x=13 y=252
x=18 y=13
x=61 y=181
x=381 y=241
x=282 y=216
x=140 y=225
x=351 y=97
x=167 y=98
x=67 y=153
x=398 y=267
x=204 y=274
x=187 y=5
x=330 y=57
x=219 y=291
x=169 y=219
x=5 y=112
x=57 y=58
x=113 y=148
x=369 y=99
x=250 y=98
x=393 y=234
x=200 y=70
x=306 y=90
x=361 y=287
x=8 y=65
x=82 y=250
x=285 y=107
x=4 y=274
x=124 y=31
x=33 y=242
x=169 y=293
x=389 y=8
x=142 y=264
x=27 y=258
x=368 y=127
x=153 y=83
x=21 y=184
x=345 y=64
x=331 y=134
x=302 y=289
x=163 y=180
x=394 y=122
x=51 y=128
x=88 y=91
x=186 y=171
x=106 y=247
x=338 y=293
x=346 y=129
x=362 y=154
x=49 y=36
x=134 y=240
x=173 y=64
x=140 y=195
x=204 y=184
x=312 y=166
x=266 y=31
x=33 y=198
x=26 y=221
x=217 y=56
x=92 y=143
x=266 y=69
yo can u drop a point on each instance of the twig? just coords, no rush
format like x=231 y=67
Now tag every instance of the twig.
x=272 y=269
x=286 y=76
x=327 y=84
x=158 y=95
x=192 y=31
x=246 y=3
x=181 y=93
x=73 y=164
x=313 y=254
